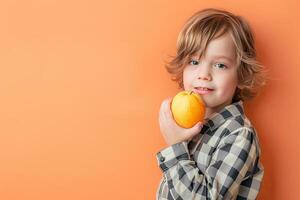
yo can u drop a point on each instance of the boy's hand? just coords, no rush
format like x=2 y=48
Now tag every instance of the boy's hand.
x=171 y=131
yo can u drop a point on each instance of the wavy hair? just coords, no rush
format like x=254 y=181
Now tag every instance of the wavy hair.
x=210 y=23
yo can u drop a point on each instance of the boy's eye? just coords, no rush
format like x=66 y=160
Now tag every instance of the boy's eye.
x=221 y=66
x=194 y=62
x=218 y=65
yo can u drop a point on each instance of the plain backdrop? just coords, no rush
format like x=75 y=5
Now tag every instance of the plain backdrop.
x=81 y=83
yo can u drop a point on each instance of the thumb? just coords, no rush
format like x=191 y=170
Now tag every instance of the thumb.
x=195 y=129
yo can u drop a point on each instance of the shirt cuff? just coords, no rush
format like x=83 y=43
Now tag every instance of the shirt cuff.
x=171 y=155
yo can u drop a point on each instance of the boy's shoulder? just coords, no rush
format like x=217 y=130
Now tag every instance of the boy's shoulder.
x=236 y=123
x=230 y=120
x=232 y=117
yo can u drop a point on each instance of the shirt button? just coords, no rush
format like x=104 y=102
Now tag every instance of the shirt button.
x=162 y=159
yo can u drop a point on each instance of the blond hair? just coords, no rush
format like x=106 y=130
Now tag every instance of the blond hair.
x=211 y=23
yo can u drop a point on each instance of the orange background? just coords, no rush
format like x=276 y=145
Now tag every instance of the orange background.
x=81 y=83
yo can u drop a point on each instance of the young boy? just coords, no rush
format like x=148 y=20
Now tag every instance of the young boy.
x=219 y=158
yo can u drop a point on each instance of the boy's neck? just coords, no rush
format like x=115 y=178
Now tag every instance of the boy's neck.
x=210 y=111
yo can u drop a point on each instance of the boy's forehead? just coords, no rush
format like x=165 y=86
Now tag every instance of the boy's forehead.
x=221 y=47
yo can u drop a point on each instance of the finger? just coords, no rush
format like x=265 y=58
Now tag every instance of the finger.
x=191 y=132
x=167 y=108
x=161 y=124
x=162 y=117
x=163 y=105
x=165 y=114
x=162 y=110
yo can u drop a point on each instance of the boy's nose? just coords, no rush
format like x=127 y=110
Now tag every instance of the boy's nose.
x=207 y=78
x=204 y=72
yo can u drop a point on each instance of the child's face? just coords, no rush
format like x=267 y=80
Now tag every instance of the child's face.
x=218 y=74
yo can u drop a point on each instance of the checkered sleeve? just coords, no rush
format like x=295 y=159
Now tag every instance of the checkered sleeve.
x=231 y=160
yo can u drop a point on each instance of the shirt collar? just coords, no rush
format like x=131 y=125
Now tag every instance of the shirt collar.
x=229 y=111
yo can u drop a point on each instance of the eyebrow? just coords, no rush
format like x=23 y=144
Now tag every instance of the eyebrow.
x=225 y=57
x=221 y=56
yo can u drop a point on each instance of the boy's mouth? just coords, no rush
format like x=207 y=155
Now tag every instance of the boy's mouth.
x=202 y=90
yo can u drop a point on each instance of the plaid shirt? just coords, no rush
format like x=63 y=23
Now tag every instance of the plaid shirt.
x=222 y=162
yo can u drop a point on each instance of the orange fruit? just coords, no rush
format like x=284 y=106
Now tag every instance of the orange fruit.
x=187 y=108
